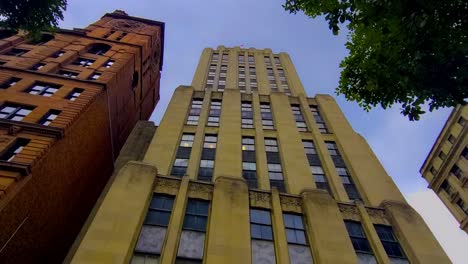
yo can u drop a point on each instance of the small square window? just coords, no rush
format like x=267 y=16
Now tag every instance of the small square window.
x=49 y=117
x=75 y=93
x=109 y=63
x=461 y=121
x=9 y=83
x=58 y=54
x=68 y=74
x=95 y=76
x=16 y=52
x=44 y=89
x=83 y=62
x=452 y=139
x=37 y=66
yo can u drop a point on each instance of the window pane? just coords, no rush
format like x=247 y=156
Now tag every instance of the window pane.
x=267 y=232
x=260 y=216
x=181 y=162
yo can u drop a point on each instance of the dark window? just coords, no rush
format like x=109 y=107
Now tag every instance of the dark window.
x=5 y=33
x=358 y=237
x=464 y=153
x=42 y=40
x=159 y=211
x=348 y=184
x=44 y=89
x=461 y=121
x=49 y=117
x=179 y=167
x=295 y=231
x=135 y=79
x=108 y=34
x=452 y=139
x=68 y=74
x=247 y=115
x=58 y=54
x=75 y=93
x=205 y=171
x=83 y=62
x=260 y=225
x=446 y=187
x=195 y=110
x=95 y=76
x=16 y=148
x=16 y=52
x=37 y=66
x=15 y=112
x=98 y=48
x=119 y=38
x=442 y=155
x=433 y=171
x=318 y=119
x=196 y=215
x=275 y=170
x=249 y=165
x=9 y=83
x=300 y=123
x=389 y=241
x=109 y=63
x=462 y=205
x=455 y=170
x=267 y=117
x=215 y=113
x=2 y=62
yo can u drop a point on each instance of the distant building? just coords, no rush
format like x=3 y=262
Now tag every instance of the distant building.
x=67 y=105
x=446 y=166
x=245 y=168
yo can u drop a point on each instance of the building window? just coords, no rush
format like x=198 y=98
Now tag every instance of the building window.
x=455 y=170
x=195 y=110
x=247 y=115
x=261 y=234
x=99 y=48
x=316 y=166
x=318 y=119
x=149 y=244
x=275 y=170
x=58 y=54
x=463 y=206
x=49 y=117
x=215 y=57
x=249 y=163
x=192 y=240
x=267 y=117
x=121 y=36
x=109 y=64
x=205 y=172
x=14 y=112
x=10 y=82
x=358 y=237
x=75 y=93
x=68 y=74
x=95 y=76
x=37 y=66
x=300 y=122
x=442 y=155
x=447 y=188
x=108 y=34
x=215 y=113
x=267 y=61
x=461 y=121
x=464 y=153
x=433 y=171
x=83 y=62
x=389 y=241
x=299 y=251
x=15 y=149
x=180 y=165
x=225 y=57
x=251 y=59
x=241 y=58
x=16 y=52
x=452 y=139
x=44 y=89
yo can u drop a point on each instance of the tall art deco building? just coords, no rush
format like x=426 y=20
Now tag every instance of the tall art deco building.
x=245 y=168
x=67 y=105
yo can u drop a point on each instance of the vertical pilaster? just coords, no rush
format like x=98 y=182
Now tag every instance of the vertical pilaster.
x=414 y=235
x=169 y=251
x=231 y=78
x=262 y=79
x=229 y=234
x=281 y=245
x=199 y=79
x=372 y=236
x=262 y=171
x=229 y=150
x=327 y=232
x=295 y=165
x=168 y=134
x=294 y=82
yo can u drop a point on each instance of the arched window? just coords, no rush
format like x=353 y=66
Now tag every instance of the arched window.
x=5 y=33
x=42 y=40
x=98 y=48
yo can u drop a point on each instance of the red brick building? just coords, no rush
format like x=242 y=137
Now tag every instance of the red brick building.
x=67 y=104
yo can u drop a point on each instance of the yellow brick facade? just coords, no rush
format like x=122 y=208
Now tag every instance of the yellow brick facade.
x=367 y=196
x=446 y=166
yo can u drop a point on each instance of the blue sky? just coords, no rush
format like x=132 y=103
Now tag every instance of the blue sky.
x=399 y=144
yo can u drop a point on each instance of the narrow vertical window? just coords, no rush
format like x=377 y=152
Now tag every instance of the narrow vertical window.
x=247 y=115
x=154 y=229
x=272 y=80
x=275 y=170
x=249 y=162
x=316 y=166
x=299 y=251
x=342 y=171
x=205 y=172
x=360 y=243
x=75 y=93
x=267 y=116
x=252 y=77
x=284 y=82
x=195 y=110
x=456 y=171
x=183 y=155
x=15 y=149
x=225 y=57
x=390 y=243
x=300 y=122
x=261 y=234
x=192 y=238
x=215 y=113
x=318 y=119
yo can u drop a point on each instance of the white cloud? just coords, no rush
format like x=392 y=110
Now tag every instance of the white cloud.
x=442 y=223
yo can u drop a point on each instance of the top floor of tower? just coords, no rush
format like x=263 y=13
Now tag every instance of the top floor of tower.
x=247 y=70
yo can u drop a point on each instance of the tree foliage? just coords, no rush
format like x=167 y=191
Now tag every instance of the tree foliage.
x=32 y=16
x=408 y=52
